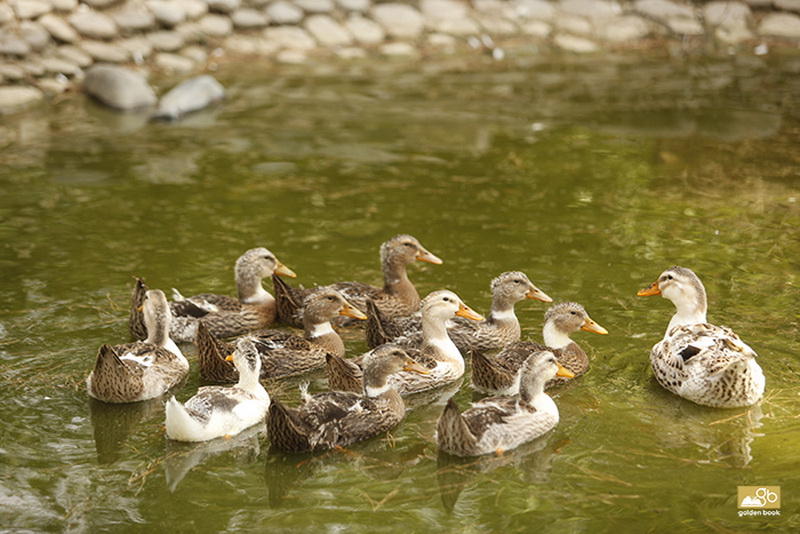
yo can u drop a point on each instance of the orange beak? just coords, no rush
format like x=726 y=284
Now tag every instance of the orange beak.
x=282 y=270
x=351 y=311
x=467 y=312
x=653 y=289
x=140 y=309
x=229 y=358
x=413 y=367
x=564 y=372
x=427 y=257
x=590 y=326
x=537 y=294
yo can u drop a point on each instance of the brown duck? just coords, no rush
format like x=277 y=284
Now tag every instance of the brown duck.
x=222 y=315
x=282 y=353
x=397 y=297
x=340 y=418
x=499 y=374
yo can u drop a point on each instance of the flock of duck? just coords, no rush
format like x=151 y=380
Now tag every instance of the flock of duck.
x=416 y=345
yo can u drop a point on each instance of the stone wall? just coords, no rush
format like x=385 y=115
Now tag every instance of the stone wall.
x=45 y=45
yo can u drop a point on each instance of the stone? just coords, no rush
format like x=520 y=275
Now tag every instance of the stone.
x=788 y=5
x=441 y=40
x=443 y=9
x=173 y=62
x=192 y=95
x=685 y=26
x=290 y=37
x=12 y=45
x=74 y=55
x=194 y=8
x=315 y=6
x=459 y=26
x=99 y=4
x=574 y=24
x=55 y=65
x=93 y=24
x=247 y=18
x=591 y=9
x=292 y=57
x=64 y=5
x=571 y=43
x=58 y=28
x=497 y=25
x=107 y=52
x=534 y=9
x=663 y=10
x=216 y=25
x=34 y=34
x=11 y=73
x=166 y=41
x=34 y=68
x=134 y=18
x=223 y=6
x=54 y=86
x=364 y=30
x=499 y=8
x=241 y=44
x=31 y=9
x=535 y=28
x=169 y=14
x=119 y=87
x=733 y=34
x=398 y=50
x=6 y=14
x=780 y=25
x=138 y=47
x=360 y=6
x=327 y=31
x=195 y=53
x=284 y=13
x=191 y=32
x=621 y=29
x=17 y=98
x=399 y=20
x=726 y=14
x=351 y=52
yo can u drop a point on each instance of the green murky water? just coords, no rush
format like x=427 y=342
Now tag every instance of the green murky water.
x=590 y=177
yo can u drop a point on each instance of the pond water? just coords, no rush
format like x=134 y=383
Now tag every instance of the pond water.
x=590 y=176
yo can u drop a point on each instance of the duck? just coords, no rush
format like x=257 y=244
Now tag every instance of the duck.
x=340 y=418
x=141 y=370
x=706 y=364
x=223 y=315
x=282 y=353
x=499 y=424
x=397 y=297
x=499 y=329
x=437 y=351
x=217 y=411
x=499 y=374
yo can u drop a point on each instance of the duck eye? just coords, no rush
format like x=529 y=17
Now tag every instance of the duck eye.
x=573 y=313
x=408 y=244
x=331 y=298
x=446 y=299
x=669 y=277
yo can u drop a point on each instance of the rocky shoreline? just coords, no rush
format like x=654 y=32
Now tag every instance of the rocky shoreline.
x=47 y=45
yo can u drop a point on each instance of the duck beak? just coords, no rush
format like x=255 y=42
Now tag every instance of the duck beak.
x=282 y=270
x=427 y=257
x=590 y=326
x=537 y=294
x=564 y=372
x=229 y=358
x=653 y=289
x=468 y=313
x=140 y=309
x=351 y=311
x=413 y=367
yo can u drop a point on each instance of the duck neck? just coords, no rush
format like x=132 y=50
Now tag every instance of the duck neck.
x=250 y=290
x=434 y=335
x=387 y=392
x=248 y=381
x=531 y=390
x=502 y=312
x=690 y=309
x=553 y=337
x=322 y=333
x=158 y=333
x=396 y=282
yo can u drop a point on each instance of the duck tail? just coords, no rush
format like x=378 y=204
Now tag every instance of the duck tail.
x=136 y=318
x=284 y=429
x=343 y=375
x=105 y=384
x=211 y=354
x=180 y=425
x=286 y=304
x=452 y=432
x=482 y=372
x=376 y=334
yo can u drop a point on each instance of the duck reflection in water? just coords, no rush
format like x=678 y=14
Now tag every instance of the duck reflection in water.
x=112 y=424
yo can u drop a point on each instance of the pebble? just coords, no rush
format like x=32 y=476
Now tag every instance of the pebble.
x=327 y=31
x=592 y=9
x=292 y=57
x=497 y=25
x=223 y=6
x=399 y=20
x=443 y=9
x=34 y=34
x=169 y=14
x=788 y=5
x=194 y=8
x=534 y=9
x=351 y=52
x=621 y=29
x=34 y=68
x=241 y=44
x=284 y=13
x=54 y=86
x=663 y=9
x=290 y=37
x=360 y=6
x=315 y=6
x=195 y=53
x=216 y=25
x=58 y=28
x=685 y=26
x=364 y=30
x=138 y=47
x=93 y=24
x=119 y=87
x=64 y=5
x=31 y=9
x=727 y=14
x=249 y=18
x=574 y=24
x=11 y=72
x=459 y=26
x=99 y=4
x=134 y=17
x=74 y=55
x=192 y=95
x=11 y=45
x=733 y=34
x=398 y=49
x=442 y=40
x=780 y=25
x=535 y=28
x=572 y=43
x=166 y=41
x=174 y=62
x=191 y=32
x=54 y=65
x=16 y=98
x=107 y=52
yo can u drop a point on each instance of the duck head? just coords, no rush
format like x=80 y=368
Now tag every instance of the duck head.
x=383 y=362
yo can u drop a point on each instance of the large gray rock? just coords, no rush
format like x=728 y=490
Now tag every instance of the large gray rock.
x=780 y=25
x=30 y=9
x=167 y=13
x=364 y=30
x=134 y=17
x=93 y=24
x=16 y=98
x=283 y=12
x=58 y=28
x=34 y=34
x=118 y=87
x=192 y=95
x=100 y=51
x=399 y=20
x=327 y=31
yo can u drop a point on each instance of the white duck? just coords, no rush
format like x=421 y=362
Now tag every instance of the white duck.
x=217 y=411
x=704 y=363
